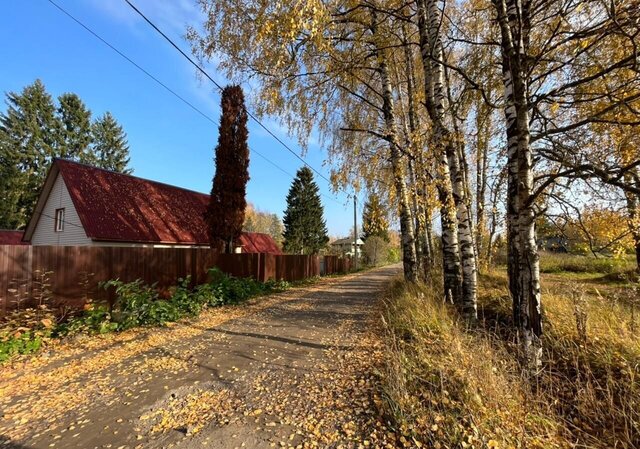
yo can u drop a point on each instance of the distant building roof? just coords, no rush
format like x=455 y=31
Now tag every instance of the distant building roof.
x=347 y=241
x=116 y=207
x=255 y=242
x=10 y=237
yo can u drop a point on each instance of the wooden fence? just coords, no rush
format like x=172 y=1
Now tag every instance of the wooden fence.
x=76 y=271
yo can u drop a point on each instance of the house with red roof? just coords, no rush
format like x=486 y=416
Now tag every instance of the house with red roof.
x=84 y=205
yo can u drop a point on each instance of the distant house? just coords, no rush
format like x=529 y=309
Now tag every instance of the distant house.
x=557 y=244
x=346 y=246
x=9 y=237
x=84 y=205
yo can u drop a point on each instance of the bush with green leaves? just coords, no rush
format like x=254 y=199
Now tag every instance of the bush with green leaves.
x=234 y=290
x=136 y=304
x=19 y=343
x=95 y=319
x=24 y=331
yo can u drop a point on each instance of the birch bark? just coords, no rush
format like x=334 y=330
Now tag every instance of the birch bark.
x=399 y=177
x=524 y=270
x=452 y=185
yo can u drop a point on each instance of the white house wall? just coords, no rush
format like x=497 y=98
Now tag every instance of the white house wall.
x=73 y=233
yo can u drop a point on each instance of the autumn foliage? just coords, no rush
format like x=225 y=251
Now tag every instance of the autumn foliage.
x=225 y=214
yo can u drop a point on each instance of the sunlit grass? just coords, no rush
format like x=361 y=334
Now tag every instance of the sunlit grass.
x=451 y=385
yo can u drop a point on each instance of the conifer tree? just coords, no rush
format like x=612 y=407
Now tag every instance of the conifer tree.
x=225 y=214
x=110 y=147
x=74 y=129
x=34 y=131
x=374 y=220
x=27 y=146
x=305 y=231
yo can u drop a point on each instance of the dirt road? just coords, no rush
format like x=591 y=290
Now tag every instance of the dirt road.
x=291 y=370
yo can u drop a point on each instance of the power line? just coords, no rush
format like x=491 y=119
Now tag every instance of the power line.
x=199 y=68
x=174 y=93
x=130 y=60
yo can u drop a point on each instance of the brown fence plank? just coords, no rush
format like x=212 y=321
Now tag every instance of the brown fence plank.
x=77 y=271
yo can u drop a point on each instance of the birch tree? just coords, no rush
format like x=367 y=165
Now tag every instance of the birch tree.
x=457 y=228
x=554 y=58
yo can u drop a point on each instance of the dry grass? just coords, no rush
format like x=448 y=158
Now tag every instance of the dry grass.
x=450 y=386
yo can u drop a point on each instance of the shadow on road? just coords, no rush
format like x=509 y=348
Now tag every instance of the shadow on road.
x=282 y=339
x=5 y=442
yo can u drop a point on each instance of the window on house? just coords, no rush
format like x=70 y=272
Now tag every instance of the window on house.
x=59 y=220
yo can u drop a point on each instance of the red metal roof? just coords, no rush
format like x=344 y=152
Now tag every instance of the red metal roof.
x=123 y=208
x=8 y=237
x=254 y=242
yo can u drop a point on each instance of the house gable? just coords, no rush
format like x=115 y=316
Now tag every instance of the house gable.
x=43 y=224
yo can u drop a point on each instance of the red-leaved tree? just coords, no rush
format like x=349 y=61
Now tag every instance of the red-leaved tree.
x=225 y=214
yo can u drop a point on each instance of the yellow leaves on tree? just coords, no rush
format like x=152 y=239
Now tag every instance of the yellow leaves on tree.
x=601 y=230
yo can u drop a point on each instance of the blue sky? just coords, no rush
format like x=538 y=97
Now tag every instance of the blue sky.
x=168 y=140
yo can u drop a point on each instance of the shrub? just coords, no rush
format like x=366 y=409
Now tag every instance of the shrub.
x=95 y=319
x=393 y=255
x=233 y=290
x=25 y=331
x=186 y=300
x=136 y=304
x=19 y=343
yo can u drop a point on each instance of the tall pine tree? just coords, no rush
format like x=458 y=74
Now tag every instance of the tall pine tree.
x=374 y=219
x=225 y=213
x=34 y=131
x=74 y=129
x=305 y=231
x=110 y=147
x=27 y=146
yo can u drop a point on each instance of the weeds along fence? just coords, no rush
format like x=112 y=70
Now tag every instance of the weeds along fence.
x=74 y=272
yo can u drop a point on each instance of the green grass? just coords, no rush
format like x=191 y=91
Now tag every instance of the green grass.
x=570 y=263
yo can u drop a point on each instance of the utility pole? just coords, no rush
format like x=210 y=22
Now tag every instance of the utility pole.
x=355 y=234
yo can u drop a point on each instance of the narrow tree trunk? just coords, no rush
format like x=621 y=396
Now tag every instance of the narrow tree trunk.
x=418 y=228
x=429 y=25
x=493 y=225
x=525 y=276
x=418 y=174
x=424 y=214
x=465 y=238
x=429 y=249
x=633 y=214
x=451 y=268
x=513 y=236
x=399 y=178
x=482 y=143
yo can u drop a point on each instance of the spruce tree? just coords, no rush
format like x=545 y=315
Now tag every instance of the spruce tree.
x=74 y=129
x=33 y=131
x=374 y=220
x=305 y=231
x=276 y=228
x=225 y=214
x=110 y=149
x=27 y=146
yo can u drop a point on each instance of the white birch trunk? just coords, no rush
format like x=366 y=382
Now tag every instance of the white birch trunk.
x=418 y=173
x=429 y=23
x=633 y=213
x=399 y=178
x=525 y=275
